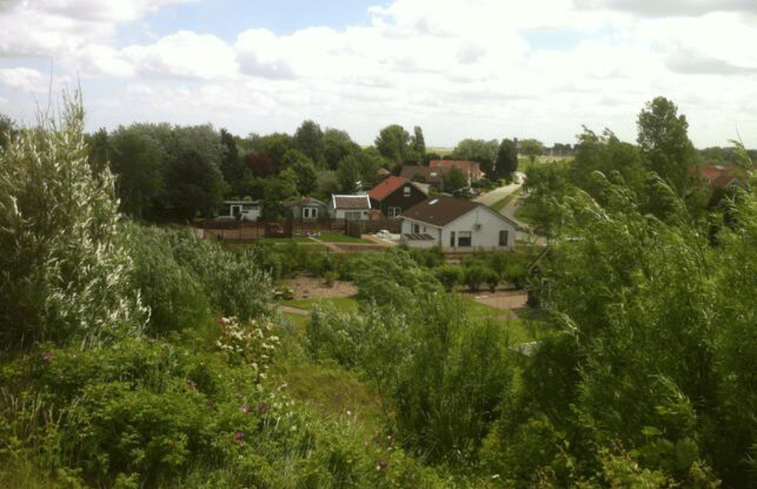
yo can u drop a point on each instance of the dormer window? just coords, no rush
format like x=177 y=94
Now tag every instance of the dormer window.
x=407 y=190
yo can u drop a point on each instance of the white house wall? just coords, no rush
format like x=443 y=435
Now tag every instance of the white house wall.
x=483 y=236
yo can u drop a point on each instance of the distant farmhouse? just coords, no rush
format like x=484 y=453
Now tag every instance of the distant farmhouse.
x=471 y=169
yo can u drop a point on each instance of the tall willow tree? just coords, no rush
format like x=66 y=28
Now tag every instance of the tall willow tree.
x=64 y=273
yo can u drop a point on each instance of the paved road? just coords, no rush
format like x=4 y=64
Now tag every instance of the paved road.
x=500 y=193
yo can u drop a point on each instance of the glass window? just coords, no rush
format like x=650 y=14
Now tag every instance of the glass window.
x=452 y=239
x=503 y=238
x=464 y=238
x=394 y=211
x=353 y=215
x=407 y=190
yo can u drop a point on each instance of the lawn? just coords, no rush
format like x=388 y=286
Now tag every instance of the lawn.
x=339 y=238
x=517 y=329
x=341 y=304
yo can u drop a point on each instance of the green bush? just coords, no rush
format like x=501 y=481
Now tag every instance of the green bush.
x=449 y=275
x=174 y=297
x=65 y=270
x=474 y=275
x=234 y=283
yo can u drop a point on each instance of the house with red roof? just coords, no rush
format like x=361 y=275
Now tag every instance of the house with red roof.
x=395 y=195
x=472 y=169
x=456 y=225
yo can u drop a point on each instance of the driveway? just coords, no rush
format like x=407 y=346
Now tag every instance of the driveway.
x=500 y=193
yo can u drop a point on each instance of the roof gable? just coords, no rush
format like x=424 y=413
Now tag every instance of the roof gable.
x=442 y=210
x=387 y=187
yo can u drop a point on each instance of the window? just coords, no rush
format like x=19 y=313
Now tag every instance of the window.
x=309 y=212
x=464 y=238
x=407 y=190
x=452 y=239
x=503 y=237
x=352 y=215
x=394 y=211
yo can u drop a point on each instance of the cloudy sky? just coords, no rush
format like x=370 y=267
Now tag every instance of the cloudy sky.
x=483 y=69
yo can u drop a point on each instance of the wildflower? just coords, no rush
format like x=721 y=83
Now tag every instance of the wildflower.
x=245 y=409
x=191 y=384
x=239 y=437
x=47 y=357
x=383 y=464
x=262 y=408
x=153 y=340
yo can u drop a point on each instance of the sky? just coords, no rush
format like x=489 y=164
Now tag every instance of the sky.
x=481 y=69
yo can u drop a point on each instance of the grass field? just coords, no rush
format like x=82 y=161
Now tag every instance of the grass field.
x=341 y=304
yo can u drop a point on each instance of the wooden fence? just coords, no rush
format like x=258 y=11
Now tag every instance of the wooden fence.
x=285 y=228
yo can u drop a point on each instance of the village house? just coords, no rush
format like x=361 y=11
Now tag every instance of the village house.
x=245 y=210
x=471 y=169
x=456 y=225
x=350 y=207
x=395 y=195
x=307 y=209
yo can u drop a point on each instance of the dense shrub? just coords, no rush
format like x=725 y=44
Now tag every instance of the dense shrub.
x=65 y=270
x=175 y=298
x=233 y=282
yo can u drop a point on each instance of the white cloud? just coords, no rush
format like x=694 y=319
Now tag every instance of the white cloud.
x=185 y=54
x=24 y=79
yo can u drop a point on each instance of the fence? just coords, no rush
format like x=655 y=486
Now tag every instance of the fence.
x=251 y=230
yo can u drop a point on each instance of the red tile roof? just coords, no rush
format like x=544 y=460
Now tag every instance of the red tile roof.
x=716 y=176
x=464 y=165
x=387 y=187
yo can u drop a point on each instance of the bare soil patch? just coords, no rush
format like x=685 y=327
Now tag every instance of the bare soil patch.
x=309 y=287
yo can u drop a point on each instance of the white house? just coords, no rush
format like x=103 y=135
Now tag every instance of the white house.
x=246 y=210
x=456 y=225
x=350 y=207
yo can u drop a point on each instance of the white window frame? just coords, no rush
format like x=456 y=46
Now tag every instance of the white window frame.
x=394 y=211
x=461 y=235
x=353 y=215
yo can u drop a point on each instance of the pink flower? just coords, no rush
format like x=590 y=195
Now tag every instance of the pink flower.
x=383 y=464
x=262 y=408
x=239 y=437
x=245 y=409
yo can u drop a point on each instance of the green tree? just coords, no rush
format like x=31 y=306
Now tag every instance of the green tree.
x=65 y=270
x=192 y=177
x=532 y=148
x=664 y=142
x=301 y=170
x=507 y=159
x=393 y=142
x=137 y=159
x=418 y=143
x=99 y=150
x=337 y=145
x=275 y=147
x=310 y=140
x=232 y=165
x=7 y=130
x=454 y=180
x=484 y=152
x=615 y=159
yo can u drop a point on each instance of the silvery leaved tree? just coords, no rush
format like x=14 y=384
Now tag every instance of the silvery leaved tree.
x=64 y=271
